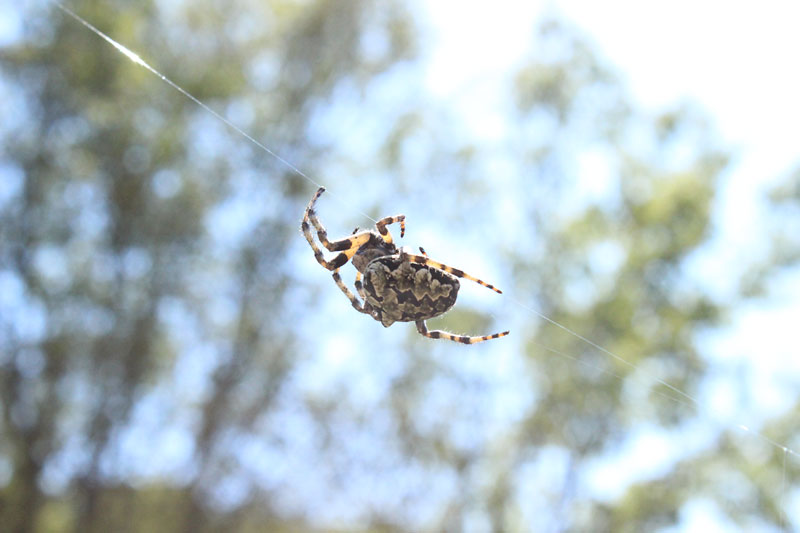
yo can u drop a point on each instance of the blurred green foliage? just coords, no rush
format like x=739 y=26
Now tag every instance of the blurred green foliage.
x=152 y=279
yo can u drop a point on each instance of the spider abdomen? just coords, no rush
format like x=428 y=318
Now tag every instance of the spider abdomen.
x=397 y=290
x=397 y=286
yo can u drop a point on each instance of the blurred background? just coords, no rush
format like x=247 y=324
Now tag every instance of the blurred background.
x=172 y=357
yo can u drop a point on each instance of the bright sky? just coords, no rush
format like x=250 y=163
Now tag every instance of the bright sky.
x=738 y=62
x=735 y=59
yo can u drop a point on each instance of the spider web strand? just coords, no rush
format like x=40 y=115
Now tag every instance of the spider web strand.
x=606 y=351
x=139 y=61
x=686 y=396
x=136 y=58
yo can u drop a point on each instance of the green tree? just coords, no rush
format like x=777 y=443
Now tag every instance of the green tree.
x=172 y=358
x=116 y=275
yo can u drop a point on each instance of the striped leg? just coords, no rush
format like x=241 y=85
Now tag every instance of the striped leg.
x=424 y=260
x=350 y=296
x=382 y=223
x=360 y=286
x=347 y=246
x=438 y=334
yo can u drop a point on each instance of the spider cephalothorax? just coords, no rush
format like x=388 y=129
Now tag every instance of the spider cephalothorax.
x=397 y=286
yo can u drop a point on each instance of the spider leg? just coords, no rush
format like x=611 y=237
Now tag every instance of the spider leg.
x=347 y=246
x=382 y=223
x=360 y=286
x=350 y=296
x=438 y=334
x=424 y=260
x=422 y=251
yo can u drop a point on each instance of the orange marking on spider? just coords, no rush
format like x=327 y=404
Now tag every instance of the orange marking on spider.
x=395 y=286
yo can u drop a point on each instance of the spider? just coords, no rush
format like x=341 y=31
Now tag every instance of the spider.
x=397 y=286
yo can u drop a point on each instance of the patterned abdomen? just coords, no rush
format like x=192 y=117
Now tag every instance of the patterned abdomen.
x=401 y=291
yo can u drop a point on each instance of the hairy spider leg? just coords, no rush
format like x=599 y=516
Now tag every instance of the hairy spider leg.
x=350 y=296
x=347 y=246
x=360 y=286
x=424 y=260
x=439 y=334
x=382 y=223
